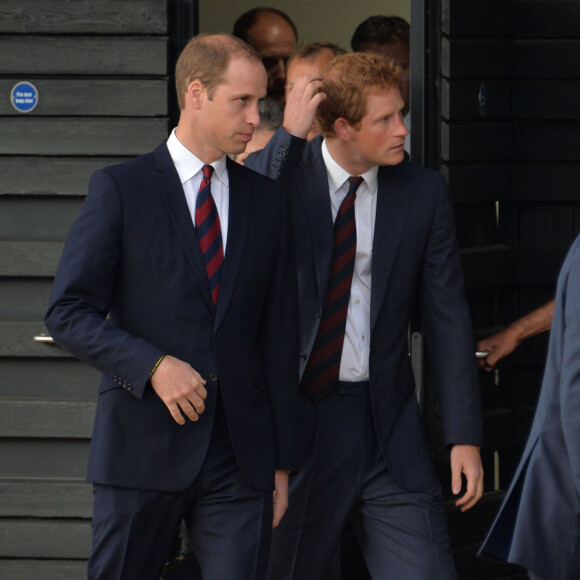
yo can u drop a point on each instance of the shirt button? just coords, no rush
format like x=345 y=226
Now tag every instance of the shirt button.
x=365 y=373
x=212 y=377
x=357 y=301
x=363 y=337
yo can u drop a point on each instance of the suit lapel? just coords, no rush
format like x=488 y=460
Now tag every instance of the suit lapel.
x=169 y=184
x=392 y=210
x=240 y=197
x=313 y=188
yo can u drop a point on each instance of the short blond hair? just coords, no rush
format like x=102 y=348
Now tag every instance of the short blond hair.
x=348 y=81
x=206 y=58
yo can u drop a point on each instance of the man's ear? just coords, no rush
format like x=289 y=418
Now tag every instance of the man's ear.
x=196 y=93
x=342 y=129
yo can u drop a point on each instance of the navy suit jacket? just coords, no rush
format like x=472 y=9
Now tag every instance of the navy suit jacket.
x=415 y=255
x=538 y=524
x=133 y=256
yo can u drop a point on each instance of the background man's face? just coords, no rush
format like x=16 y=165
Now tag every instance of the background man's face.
x=274 y=40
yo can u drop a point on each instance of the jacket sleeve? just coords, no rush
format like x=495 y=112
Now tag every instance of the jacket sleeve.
x=568 y=306
x=280 y=352
x=84 y=288
x=448 y=331
x=279 y=157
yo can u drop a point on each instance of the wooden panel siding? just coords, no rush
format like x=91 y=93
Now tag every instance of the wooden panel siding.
x=45 y=539
x=45 y=569
x=51 y=176
x=102 y=69
x=46 y=418
x=92 y=97
x=460 y=101
x=72 y=55
x=83 y=136
x=44 y=458
x=513 y=172
x=45 y=498
x=29 y=258
x=17 y=340
x=24 y=298
x=26 y=218
x=60 y=378
x=89 y=16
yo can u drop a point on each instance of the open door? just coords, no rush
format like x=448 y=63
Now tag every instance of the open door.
x=500 y=118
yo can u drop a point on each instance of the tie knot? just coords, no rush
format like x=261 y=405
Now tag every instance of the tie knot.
x=353 y=182
x=207 y=171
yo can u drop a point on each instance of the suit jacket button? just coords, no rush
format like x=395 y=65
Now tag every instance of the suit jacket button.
x=129 y=387
x=302 y=356
x=318 y=313
x=212 y=377
x=217 y=334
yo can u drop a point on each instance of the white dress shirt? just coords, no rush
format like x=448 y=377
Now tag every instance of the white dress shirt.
x=354 y=364
x=189 y=169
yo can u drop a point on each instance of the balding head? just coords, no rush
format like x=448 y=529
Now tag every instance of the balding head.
x=274 y=36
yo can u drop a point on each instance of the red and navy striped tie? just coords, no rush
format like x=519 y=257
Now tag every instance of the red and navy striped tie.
x=209 y=233
x=322 y=371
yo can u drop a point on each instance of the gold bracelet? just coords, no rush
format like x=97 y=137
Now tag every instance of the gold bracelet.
x=156 y=365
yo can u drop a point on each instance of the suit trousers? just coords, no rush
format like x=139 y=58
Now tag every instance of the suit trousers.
x=230 y=523
x=402 y=533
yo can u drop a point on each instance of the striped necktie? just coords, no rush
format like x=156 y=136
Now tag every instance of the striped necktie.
x=209 y=233
x=322 y=371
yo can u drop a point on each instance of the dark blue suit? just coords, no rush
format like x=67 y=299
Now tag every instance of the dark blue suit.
x=538 y=524
x=133 y=255
x=415 y=255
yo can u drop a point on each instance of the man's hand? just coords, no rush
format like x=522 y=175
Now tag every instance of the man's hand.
x=301 y=104
x=181 y=388
x=506 y=341
x=280 y=496
x=498 y=345
x=467 y=460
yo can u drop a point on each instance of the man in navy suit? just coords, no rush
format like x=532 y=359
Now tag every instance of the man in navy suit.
x=178 y=282
x=538 y=525
x=373 y=233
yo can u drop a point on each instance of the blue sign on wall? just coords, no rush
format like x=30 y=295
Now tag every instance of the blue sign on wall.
x=24 y=97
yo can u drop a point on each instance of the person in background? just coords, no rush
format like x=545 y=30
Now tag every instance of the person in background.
x=274 y=36
x=308 y=60
x=507 y=340
x=176 y=282
x=389 y=36
x=537 y=526
x=374 y=233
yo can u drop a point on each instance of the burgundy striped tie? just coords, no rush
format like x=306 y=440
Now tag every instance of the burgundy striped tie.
x=209 y=233
x=322 y=370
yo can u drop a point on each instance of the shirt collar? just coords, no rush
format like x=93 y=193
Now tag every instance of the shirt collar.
x=337 y=176
x=188 y=165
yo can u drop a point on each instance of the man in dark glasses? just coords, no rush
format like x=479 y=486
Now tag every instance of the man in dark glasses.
x=274 y=36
